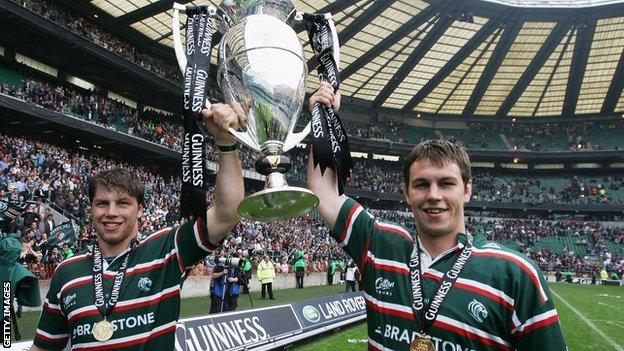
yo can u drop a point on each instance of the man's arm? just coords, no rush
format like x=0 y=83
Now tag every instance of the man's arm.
x=229 y=187
x=325 y=185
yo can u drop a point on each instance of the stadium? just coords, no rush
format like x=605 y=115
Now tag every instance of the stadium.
x=533 y=89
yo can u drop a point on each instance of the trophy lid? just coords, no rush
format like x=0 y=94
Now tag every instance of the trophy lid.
x=236 y=10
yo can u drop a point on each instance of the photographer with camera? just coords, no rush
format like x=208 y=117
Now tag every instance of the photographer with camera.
x=219 y=287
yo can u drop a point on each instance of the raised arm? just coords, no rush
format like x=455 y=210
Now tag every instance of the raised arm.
x=325 y=185
x=229 y=188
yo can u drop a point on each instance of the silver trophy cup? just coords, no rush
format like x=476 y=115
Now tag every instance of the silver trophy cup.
x=262 y=73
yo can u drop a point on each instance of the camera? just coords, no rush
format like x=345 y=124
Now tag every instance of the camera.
x=230 y=261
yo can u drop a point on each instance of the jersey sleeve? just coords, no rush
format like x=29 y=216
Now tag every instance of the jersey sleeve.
x=353 y=230
x=537 y=325
x=53 y=331
x=191 y=241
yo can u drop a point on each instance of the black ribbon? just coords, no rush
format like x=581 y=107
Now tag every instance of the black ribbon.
x=104 y=307
x=198 y=45
x=329 y=138
x=427 y=314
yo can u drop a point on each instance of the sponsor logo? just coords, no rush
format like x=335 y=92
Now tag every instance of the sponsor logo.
x=477 y=310
x=69 y=301
x=118 y=324
x=145 y=284
x=311 y=314
x=406 y=336
x=384 y=286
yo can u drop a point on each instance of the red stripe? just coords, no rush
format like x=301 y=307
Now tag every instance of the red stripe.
x=390 y=312
x=521 y=264
x=372 y=347
x=76 y=284
x=475 y=290
x=154 y=235
x=152 y=267
x=50 y=340
x=388 y=268
x=52 y=310
x=543 y=323
x=147 y=303
x=87 y=313
x=470 y=335
x=387 y=229
x=72 y=260
x=343 y=234
x=200 y=232
x=112 y=345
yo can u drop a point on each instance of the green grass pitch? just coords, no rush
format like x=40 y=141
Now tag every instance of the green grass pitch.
x=592 y=317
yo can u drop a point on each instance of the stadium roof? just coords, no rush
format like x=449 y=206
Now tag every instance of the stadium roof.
x=496 y=58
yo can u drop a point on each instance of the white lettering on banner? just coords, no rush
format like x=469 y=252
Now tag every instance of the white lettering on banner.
x=317 y=127
x=200 y=85
x=118 y=324
x=186 y=160
x=407 y=336
x=332 y=309
x=226 y=335
x=197 y=145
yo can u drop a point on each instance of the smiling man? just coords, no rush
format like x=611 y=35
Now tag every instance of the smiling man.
x=439 y=288
x=125 y=293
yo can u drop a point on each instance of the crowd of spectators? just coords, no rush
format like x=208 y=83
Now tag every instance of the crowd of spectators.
x=81 y=26
x=369 y=175
x=50 y=175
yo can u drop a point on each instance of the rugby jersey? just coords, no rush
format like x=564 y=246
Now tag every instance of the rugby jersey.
x=149 y=303
x=501 y=301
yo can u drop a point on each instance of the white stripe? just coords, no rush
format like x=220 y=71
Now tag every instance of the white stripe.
x=73 y=281
x=515 y=320
x=113 y=342
x=378 y=345
x=615 y=345
x=74 y=258
x=388 y=305
x=52 y=336
x=350 y=225
x=51 y=305
x=478 y=285
x=535 y=319
x=177 y=249
x=127 y=302
x=399 y=265
x=522 y=262
x=144 y=265
x=471 y=329
x=198 y=237
x=153 y=235
x=399 y=228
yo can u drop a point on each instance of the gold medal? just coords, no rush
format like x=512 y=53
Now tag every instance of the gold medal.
x=103 y=330
x=422 y=344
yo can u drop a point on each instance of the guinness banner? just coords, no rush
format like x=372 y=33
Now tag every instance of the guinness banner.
x=268 y=328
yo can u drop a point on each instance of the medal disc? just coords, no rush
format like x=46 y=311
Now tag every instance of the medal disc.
x=422 y=344
x=103 y=330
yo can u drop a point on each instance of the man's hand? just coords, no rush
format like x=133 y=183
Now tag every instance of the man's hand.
x=219 y=118
x=325 y=95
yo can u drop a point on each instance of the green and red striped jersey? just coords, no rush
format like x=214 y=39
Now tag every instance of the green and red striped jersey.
x=148 y=308
x=501 y=301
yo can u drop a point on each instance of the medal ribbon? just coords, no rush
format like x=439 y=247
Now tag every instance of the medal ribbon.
x=198 y=46
x=98 y=275
x=426 y=314
x=329 y=138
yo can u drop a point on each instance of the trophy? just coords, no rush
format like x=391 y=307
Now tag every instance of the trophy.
x=262 y=73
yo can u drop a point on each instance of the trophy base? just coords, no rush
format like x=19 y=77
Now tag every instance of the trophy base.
x=276 y=204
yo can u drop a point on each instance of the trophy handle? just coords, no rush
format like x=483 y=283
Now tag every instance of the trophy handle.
x=295 y=138
x=177 y=41
x=245 y=139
